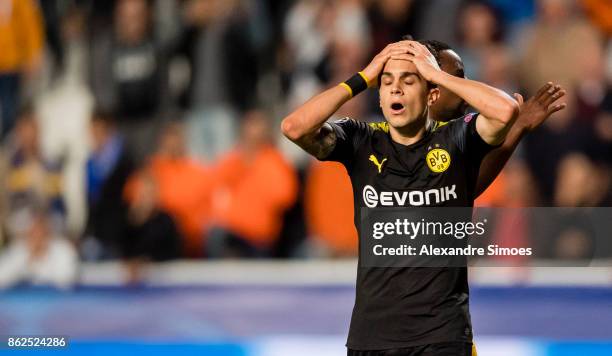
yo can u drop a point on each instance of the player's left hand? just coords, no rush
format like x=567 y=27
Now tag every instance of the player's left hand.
x=418 y=54
x=539 y=107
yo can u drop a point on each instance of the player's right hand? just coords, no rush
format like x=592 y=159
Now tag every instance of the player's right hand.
x=538 y=108
x=373 y=70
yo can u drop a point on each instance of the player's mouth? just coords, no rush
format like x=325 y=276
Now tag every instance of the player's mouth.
x=397 y=109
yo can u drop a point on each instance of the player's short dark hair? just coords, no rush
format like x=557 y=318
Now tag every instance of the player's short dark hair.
x=440 y=46
x=433 y=49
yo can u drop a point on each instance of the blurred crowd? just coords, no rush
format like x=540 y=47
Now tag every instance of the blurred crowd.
x=148 y=130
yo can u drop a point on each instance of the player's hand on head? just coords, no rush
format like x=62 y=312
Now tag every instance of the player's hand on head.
x=418 y=54
x=539 y=107
x=376 y=66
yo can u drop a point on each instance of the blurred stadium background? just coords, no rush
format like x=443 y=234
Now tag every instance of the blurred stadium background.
x=149 y=205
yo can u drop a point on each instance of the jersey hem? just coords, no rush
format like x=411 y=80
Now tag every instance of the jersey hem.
x=399 y=345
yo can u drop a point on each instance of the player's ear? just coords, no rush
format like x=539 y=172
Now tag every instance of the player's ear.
x=433 y=95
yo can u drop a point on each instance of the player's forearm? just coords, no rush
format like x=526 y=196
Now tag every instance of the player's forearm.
x=309 y=117
x=490 y=102
x=494 y=161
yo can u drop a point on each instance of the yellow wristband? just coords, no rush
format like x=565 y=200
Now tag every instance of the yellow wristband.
x=348 y=88
x=366 y=79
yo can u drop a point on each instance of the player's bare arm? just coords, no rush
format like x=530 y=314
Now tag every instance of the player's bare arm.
x=532 y=114
x=497 y=109
x=306 y=125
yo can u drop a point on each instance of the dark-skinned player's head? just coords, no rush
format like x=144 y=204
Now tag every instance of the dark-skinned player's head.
x=449 y=105
x=405 y=96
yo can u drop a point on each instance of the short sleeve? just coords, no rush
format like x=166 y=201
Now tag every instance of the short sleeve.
x=350 y=134
x=463 y=133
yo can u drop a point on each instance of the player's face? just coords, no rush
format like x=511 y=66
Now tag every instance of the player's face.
x=449 y=106
x=404 y=95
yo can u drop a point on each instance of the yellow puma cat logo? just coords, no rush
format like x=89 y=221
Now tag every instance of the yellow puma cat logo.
x=376 y=163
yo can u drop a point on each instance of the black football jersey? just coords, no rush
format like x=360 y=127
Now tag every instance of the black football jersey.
x=403 y=307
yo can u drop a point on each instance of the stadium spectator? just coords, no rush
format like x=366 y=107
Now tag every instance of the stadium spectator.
x=67 y=96
x=550 y=46
x=128 y=74
x=256 y=185
x=349 y=48
x=51 y=14
x=430 y=14
x=580 y=182
x=510 y=225
x=328 y=205
x=497 y=68
x=390 y=20
x=572 y=236
x=153 y=235
x=224 y=65
x=184 y=187
x=307 y=30
x=40 y=256
x=563 y=134
x=575 y=243
x=480 y=28
x=28 y=177
x=107 y=170
x=21 y=40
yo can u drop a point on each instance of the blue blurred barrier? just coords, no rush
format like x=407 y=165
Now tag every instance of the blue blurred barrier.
x=270 y=320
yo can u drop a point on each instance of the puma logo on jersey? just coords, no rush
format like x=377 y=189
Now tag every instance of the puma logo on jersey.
x=376 y=163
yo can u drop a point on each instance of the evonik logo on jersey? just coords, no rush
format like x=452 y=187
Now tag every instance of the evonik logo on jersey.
x=372 y=198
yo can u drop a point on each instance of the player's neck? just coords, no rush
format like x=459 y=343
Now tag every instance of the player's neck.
x=409 y=134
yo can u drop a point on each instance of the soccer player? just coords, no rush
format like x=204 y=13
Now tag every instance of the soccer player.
x=533 y=113
x=407 y=311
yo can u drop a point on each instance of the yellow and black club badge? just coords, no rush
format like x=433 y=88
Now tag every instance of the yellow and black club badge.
x=438 y=159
